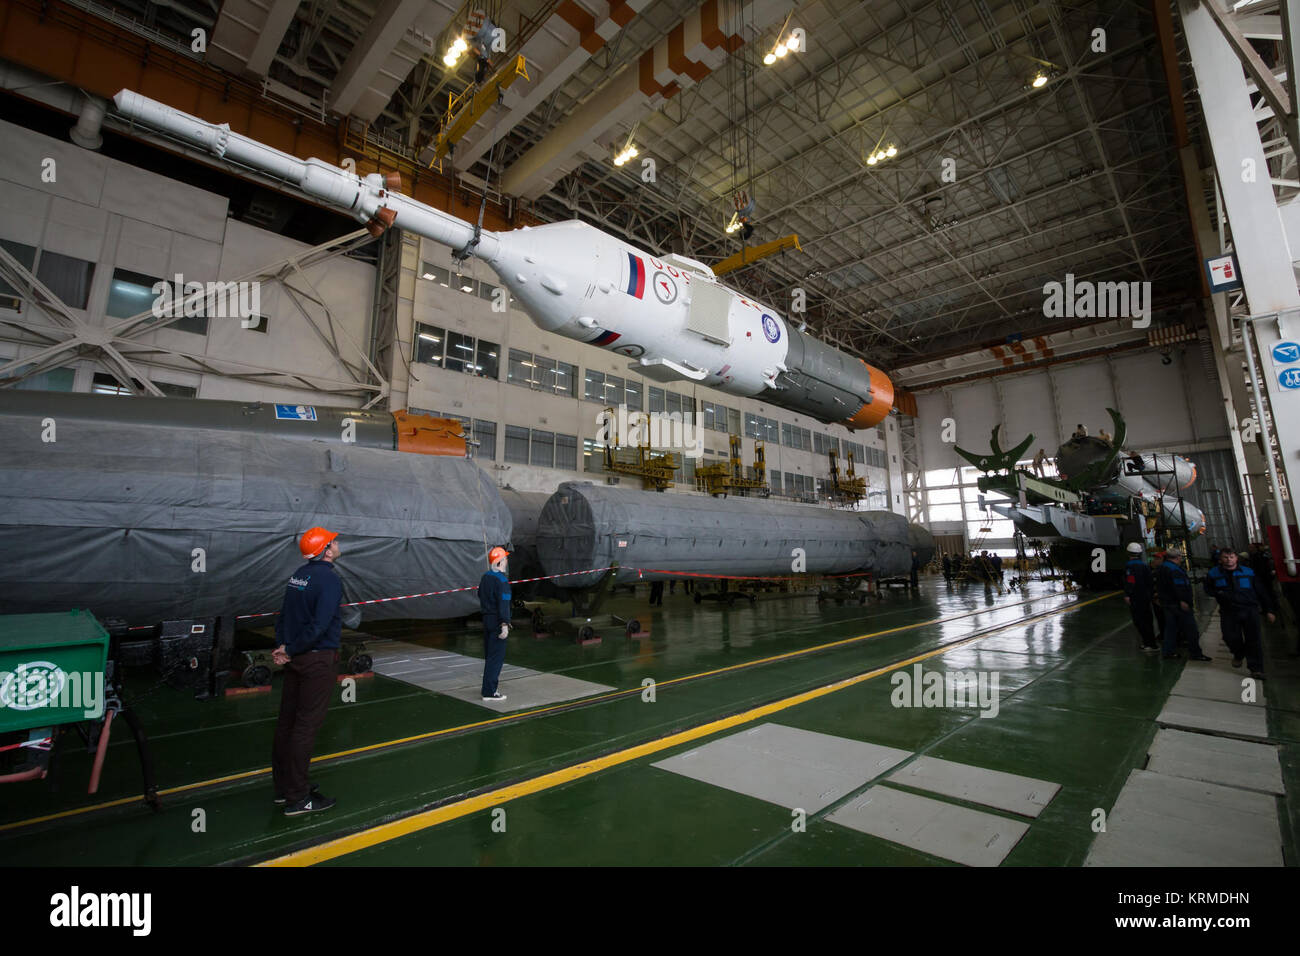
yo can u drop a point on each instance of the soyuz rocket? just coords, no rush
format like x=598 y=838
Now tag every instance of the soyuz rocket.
x=669 y=316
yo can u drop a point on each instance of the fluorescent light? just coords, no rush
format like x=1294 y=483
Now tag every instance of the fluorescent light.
x=769 y=59
x=467 y=288
x=872 y=160
x=1039 y=81
x=429 y=338
x=780 y=50
x=427 y=275
x=892 y=151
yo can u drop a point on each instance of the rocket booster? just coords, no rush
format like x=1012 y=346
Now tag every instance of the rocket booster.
x=669 y=316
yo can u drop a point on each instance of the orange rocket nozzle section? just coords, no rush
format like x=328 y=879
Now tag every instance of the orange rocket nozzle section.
x=875 y=411
x=425 y=435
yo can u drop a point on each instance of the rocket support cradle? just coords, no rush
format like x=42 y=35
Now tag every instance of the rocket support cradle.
x=671 y=317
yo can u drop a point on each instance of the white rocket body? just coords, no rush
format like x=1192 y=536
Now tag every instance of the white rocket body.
x=671 y=317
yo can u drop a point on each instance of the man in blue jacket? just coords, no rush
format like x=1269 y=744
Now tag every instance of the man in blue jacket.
x=494 y=602
x=1241 y=594
x=1139 y=585
x=1176 y=598
x=307 y=634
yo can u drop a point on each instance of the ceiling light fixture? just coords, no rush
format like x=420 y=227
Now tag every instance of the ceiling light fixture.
x=1040 y=81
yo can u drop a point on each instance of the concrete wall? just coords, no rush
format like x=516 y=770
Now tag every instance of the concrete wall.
x=62 y=199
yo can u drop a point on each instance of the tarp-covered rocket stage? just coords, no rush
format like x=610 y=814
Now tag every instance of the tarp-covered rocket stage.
x=670 y=315
x=108 y=515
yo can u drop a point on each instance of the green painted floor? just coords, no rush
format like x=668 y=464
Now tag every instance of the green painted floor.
x=1077 y=708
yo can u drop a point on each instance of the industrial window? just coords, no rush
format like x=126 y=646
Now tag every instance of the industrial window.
x=566 y=452
x=130 y=293
x=714 y=416
x=67 y=277
x=594 y=386
x=543 y=451
x=613 y=390
x=593 y=456
x=26 y=256
x=656 y=399
x=517 y=444
x=822 y=444
x=430 y=343
x=487 y=362
x=675 y=404
x=733 y=421
x=632 y=395
x=485 y=433
x=104 y=383
x=565 y=381
x=787 y=435
x=457 y=352
x=55 y=380
x=460 y=353
x=436 y=274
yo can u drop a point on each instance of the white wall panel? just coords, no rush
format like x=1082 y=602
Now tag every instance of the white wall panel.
x=1152 y=400
x=23 y=212
x=78 y=173
x=975 y=412
x=1027 y=400
x=145 y=249
x=1085 y=394
x=139 y=194
x=74 y=229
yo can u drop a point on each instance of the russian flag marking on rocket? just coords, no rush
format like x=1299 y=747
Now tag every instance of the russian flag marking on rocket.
x=605 y=338
x=636 y=276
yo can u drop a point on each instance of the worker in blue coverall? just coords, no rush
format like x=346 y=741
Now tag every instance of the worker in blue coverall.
x=1139 y=586
x=307 y=637
x=1241 y=595
x=1175 y=587
x=494 y=601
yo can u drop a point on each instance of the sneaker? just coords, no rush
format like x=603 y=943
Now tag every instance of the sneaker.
x=497 y=696
x=1200 y=657
x=1236 y=662
x=281 y=801
x=313 y=803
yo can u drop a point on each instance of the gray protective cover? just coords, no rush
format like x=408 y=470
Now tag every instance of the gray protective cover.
x=107 y=516
x=525 y=508
x=584 y=526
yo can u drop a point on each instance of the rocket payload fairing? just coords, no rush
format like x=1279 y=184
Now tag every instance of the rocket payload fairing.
x=670 y=316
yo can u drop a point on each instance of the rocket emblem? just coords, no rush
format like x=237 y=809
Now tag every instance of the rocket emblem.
x=665 y=288
x=770 y=328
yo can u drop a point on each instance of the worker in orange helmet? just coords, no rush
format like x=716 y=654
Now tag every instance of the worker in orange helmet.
x=494 y=602
x=307 y=636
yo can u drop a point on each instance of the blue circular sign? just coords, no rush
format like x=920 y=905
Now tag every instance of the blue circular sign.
x=1289 y=378
x=1285 y=352
x=770 y=328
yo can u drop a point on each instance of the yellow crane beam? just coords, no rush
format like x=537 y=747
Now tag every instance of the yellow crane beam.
x=747 y=255
x=468 y=108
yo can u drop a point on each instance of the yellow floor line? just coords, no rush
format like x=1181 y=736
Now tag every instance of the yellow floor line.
x=395 y=829
x=504 y=718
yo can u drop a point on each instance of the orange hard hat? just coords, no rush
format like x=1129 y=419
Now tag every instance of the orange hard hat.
x=496 y=554
x=313 y=542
